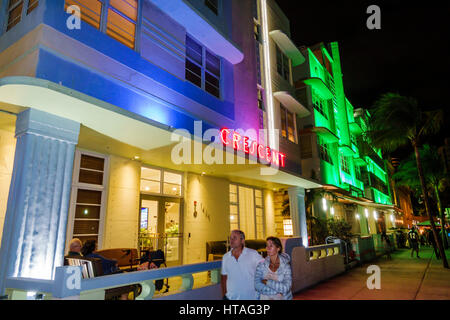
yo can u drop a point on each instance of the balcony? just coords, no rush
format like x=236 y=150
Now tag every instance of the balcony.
x=346 y=150
x=318 y=85
x=292 y=104
x=288 y=47
x=199 y=28
x=325 y=134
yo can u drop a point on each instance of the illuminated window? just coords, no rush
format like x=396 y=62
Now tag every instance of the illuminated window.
x=324 y=153
x=344 y=164
x=247 y=211
x=202 y=67
x=283 y=64
x=159 y=181
x=121 y=17
x=15 y=10
x=287 y=124
x=213 y=5
x=287 y=227
x=320 y=104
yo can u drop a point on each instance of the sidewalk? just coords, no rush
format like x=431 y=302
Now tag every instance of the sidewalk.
x=402 y=278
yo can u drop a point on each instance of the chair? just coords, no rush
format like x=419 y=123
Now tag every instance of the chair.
x=127 y=258
x=158 y=258
x=91 y=268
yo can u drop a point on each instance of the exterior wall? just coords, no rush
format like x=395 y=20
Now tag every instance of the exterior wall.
x=7 y=150
x=122 y=211
x=213 y=218
x=269 y=210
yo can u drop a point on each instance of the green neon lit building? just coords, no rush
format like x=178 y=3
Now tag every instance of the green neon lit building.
x=333 y=148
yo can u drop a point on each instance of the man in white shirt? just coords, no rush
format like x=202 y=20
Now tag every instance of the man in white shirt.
x=238 y=269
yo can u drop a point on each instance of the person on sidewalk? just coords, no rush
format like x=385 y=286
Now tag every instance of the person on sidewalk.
x=387 y=244
x=238 y=269
x=413 y=239
x=431 y=241
x=273 y=277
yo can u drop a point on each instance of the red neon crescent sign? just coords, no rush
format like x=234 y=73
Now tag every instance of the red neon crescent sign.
x=252 y=147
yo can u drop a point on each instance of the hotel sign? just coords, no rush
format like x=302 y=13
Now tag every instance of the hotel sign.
x=251 y=147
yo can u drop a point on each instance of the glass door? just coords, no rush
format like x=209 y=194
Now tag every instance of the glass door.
x=160 y=227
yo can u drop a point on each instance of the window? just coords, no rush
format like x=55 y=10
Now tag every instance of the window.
x=324 y=153
x=158 y=181
x=305 y=146
x=121 y=17
x=213 y=5
x=320 y=105
x=88 y=194
x=345 y=164
x=283 y=64
x=257 y=35
x=247 y=211
x=287 y=124
x=261 y=99
x=202 y=67
x=15 y=10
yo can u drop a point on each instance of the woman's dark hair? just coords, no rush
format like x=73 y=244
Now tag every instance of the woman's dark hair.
x=88 y=247
x=277 y=242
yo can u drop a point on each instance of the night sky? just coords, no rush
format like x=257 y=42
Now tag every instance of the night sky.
x=410 y=55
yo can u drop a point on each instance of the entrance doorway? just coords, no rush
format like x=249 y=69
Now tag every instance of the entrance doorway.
x=159 y=227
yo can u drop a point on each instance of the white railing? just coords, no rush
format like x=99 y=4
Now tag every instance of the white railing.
x=69 y=285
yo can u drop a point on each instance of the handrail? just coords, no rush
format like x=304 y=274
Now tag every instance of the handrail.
x=59 y=289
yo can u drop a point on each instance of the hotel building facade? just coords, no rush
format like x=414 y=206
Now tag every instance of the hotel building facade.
x=108 y=108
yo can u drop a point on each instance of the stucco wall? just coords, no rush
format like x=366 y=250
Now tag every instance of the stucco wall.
x=122 y=211
x=213 y=219
x=7 y=149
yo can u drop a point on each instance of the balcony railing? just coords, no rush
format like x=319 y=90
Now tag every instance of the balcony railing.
x=68 y=285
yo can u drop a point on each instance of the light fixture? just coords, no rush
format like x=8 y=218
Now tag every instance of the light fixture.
x=147 y=188
x=86 y=211
x=136 y=157
x=174 y=189
x=392 y=217
x=375 y=215
x=366 y=213
x=324 y=204
x=357 y=216
x=332 y=211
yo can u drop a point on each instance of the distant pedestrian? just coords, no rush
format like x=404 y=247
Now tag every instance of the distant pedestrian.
x=387 y=244
x=238 y=269
x=432 y=242
x=413 y=239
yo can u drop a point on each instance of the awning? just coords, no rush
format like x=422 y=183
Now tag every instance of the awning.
x=199 y=27
x=346 y=150
x=355 y=128
x=326 y=134
x=320 y=86
x=291 y=103
x=288 y=47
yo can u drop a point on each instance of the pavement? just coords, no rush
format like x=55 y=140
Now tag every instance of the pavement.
x=402 y=278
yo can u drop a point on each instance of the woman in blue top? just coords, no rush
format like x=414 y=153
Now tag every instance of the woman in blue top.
x=273 y=277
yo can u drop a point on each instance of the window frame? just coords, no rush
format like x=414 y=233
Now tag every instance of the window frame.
x=91 y=187
x=344 y=164
x=286 y=112
x=324 y=152
x=215 y=8
x=283 y=61
x=204 y=68
x=25 y=11
x=255 y=206
x=162 y=182
x=103 y=20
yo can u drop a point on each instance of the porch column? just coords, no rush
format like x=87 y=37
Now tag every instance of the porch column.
x=298 y=213
x=36 y=217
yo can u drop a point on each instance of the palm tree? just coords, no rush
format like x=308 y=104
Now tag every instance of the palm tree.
x=397 y=121
x=434 y=173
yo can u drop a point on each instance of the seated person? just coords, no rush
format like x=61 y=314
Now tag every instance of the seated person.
x=109 y=266
x=75 y=248
x=146 y=262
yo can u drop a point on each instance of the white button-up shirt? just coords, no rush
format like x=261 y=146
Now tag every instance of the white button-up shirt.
x=241 y=274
